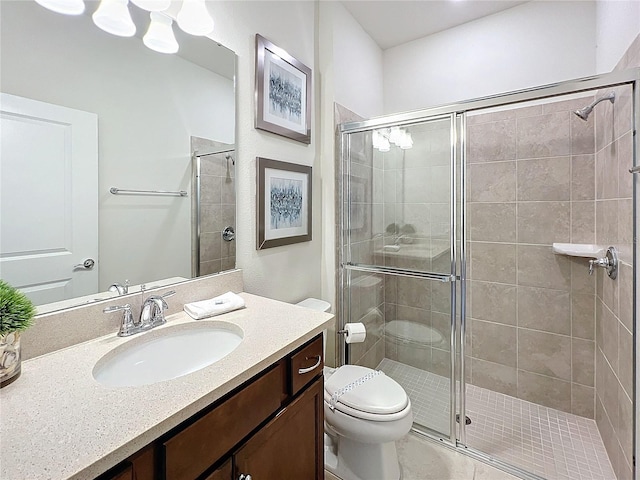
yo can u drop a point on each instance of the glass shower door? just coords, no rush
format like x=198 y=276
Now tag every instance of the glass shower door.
x=398 y=259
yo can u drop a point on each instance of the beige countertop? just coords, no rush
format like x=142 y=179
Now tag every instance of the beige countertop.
x=58 y=422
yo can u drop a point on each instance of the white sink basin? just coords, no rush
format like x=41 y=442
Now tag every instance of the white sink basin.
x=167 y=353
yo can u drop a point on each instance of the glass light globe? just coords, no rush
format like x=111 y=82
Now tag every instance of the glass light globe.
x=152 y=5
x=406 y=141
x=159 y=36
x=395 y=134
x=385 y=146
x=66 y=7
x=113 y=17
x=194 y=18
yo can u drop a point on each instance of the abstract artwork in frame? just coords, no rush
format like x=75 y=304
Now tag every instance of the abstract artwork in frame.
x=283 y=93
x=283 y=203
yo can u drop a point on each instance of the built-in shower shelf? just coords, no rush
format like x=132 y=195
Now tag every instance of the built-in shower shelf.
x=585 y=250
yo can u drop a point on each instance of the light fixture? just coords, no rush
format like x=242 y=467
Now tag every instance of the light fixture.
x=385 y=146
x=384 y=137
x=406 y=141
x=194 y=18
x=66 y=7
x=113 y=17
x=159 y=36
x=152 y=5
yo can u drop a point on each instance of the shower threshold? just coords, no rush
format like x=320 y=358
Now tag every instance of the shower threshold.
x=541 y=440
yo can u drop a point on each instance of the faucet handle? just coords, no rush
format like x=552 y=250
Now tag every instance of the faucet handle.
x=127 y=325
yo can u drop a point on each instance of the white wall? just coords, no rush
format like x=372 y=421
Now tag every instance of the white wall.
x=529 y=45
x=351 y=68
x=148 y=106
x=617 y=25
x=357 y=65
x=288 y=273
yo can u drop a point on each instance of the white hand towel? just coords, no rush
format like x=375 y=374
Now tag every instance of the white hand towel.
x=215 y=306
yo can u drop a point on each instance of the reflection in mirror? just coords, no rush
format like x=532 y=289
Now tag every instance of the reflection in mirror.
x=84 y=112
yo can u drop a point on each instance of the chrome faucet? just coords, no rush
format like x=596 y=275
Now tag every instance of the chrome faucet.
x=121 y=289
x=153 y=310
x=399 y=238
x=151 y=315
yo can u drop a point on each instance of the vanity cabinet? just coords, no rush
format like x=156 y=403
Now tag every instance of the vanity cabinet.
x=289 y=445
x=271 y=427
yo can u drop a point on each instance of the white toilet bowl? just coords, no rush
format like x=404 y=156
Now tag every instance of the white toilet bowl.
x=365 y=423
x=365 y=413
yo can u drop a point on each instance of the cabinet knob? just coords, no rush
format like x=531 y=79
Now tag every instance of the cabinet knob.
x=244 y=477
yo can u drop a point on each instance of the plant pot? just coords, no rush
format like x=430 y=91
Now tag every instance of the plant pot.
x=9 y=358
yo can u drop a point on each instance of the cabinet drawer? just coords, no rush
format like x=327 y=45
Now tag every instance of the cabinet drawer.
x=191 y=451
x=306 y=364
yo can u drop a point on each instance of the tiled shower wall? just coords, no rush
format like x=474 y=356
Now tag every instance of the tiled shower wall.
x=531 y=313
x=614 y=298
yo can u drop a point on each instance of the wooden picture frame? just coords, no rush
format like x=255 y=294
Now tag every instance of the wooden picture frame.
x=283 y=93
x=283 y=197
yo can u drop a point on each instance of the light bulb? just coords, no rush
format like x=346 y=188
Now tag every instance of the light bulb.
x=406 y=141
x=194 y=18
x=152 y=5
x=159 y=36
x=66 y=7
x=113 y=17
x=395 y=134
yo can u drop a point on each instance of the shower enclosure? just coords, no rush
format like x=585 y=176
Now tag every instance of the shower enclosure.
x=507 y=350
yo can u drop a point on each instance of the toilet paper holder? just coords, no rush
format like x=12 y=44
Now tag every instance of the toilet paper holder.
x=354 y=332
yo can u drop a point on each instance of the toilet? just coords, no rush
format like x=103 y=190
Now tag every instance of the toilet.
x=365 y=413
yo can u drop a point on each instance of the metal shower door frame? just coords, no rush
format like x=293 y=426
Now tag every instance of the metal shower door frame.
x=459 y=111
x=346 y=266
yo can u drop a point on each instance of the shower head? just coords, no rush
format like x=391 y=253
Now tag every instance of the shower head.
x=584 y=113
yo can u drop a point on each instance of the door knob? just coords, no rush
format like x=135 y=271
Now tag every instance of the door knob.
x=86 y=265
x=244 y=477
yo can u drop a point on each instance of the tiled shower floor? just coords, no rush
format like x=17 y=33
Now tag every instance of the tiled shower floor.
x=541 y=440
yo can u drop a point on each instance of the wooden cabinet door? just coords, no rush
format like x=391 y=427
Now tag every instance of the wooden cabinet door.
x=291 y=445
x=221 y=473
x=122 y=472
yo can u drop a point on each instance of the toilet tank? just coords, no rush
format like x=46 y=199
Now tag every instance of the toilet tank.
x=315 y=304
x=322 y=306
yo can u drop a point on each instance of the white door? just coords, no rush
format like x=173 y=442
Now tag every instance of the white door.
x=48 y=199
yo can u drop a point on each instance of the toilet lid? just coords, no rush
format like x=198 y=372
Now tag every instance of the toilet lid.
x=379 y=395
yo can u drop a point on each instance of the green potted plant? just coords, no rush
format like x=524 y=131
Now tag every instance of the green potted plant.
x=16 y=314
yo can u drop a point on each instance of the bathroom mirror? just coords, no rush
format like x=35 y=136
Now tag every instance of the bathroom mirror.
x=145 y=113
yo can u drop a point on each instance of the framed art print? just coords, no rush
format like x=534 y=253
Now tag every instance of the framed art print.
x=283 y=203
x=283 y=93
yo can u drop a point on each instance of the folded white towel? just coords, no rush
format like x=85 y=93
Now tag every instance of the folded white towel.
x=215 y=306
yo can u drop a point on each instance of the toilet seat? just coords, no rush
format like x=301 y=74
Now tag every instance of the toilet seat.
x=379 y=398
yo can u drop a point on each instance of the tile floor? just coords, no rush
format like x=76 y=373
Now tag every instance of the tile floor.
x=541 y=440
x=422 y=459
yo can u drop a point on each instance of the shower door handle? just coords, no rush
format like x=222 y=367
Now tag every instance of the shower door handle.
x=635 y=169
